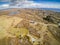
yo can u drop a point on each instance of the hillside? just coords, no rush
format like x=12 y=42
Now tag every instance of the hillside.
x=29 y=27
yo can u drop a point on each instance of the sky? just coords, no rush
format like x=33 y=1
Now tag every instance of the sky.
x=30 y=4
x=47 y=0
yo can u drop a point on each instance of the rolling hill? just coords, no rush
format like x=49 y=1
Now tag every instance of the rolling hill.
x=29 y=27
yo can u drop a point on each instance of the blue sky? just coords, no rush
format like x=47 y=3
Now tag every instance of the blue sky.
x=3 y=3
x=38 y=1
x=47 y=0
x=33 y=3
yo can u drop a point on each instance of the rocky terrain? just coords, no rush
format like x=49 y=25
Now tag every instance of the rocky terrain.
x=29 y=27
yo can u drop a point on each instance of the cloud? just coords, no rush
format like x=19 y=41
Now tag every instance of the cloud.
x=4 y=6
x=30 y=4
x=46 y=5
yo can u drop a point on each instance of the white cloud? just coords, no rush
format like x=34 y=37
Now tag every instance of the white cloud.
x=46 y=5
x=31 y=4
x=4 y=6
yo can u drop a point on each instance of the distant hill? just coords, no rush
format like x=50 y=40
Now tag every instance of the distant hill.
x=51 y=9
